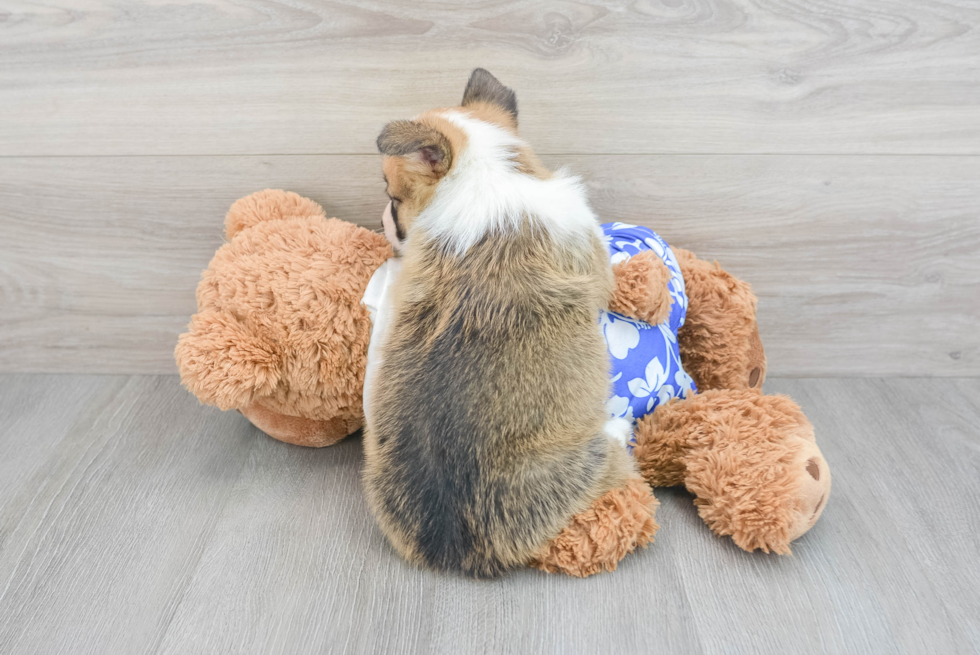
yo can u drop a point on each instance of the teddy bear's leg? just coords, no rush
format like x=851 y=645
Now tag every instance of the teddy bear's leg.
x=750 y=459
x=641 y=290
x=298 y=430
x=719 y=341
x=597 y=538
x=613 y=525
x=268 y=205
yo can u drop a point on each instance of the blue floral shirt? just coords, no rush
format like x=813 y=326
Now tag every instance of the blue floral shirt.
x=646 y=362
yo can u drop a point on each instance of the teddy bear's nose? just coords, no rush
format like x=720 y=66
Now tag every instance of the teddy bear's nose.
x=754 y=376
x=813 y=468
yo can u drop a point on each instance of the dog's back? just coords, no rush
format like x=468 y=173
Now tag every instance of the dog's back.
x=485 y=431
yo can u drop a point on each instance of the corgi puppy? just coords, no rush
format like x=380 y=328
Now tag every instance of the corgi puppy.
x=486 y=429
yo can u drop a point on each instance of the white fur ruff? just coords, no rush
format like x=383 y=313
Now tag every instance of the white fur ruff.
x=485 y=193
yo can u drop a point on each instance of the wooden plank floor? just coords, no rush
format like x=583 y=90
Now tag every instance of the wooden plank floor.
x=133 y=520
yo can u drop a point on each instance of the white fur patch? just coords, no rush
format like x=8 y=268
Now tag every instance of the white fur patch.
x=618 y=429
x=484 y=192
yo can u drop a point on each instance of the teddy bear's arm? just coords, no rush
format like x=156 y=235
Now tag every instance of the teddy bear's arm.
x=641 y=288
x=225 y=363
x=750 y=459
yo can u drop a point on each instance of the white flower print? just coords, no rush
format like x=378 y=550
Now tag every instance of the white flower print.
x=635 y=244
x=619 y=407
x=620 y=335
x=668 y=334
x=655 y=246
x=684 y=381
x=655 y=377
x=619 y=257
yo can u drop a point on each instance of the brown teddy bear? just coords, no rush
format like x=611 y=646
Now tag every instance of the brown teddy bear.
x=282 y=335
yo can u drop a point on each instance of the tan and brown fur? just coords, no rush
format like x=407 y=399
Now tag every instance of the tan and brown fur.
x=486 y=434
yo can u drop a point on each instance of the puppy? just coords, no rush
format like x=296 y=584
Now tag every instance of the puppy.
x=486 y=430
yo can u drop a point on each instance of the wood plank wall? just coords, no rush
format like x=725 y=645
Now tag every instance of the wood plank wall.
x=829 y=153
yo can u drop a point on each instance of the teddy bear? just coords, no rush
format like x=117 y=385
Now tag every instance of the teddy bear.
x=283 y=331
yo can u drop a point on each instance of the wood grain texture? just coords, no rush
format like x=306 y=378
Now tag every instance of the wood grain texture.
x=145 y=523
x=864 y=265
x=112 y=517
x=654 y=76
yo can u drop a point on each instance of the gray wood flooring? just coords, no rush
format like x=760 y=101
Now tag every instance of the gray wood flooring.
x=133 y=520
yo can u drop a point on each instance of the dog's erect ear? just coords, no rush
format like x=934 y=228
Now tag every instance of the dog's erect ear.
x=422 y=142
x=484 y=87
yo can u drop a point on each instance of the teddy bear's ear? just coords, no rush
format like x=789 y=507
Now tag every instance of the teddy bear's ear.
x=224 y=363
x=268 y=205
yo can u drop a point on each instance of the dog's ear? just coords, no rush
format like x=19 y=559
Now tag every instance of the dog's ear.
x=417 y=141
x=484 y=87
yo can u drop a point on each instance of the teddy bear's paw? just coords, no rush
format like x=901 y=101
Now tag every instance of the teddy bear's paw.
x=763 y=495
x=597 y=538
x=641 y=288
x=813 y=491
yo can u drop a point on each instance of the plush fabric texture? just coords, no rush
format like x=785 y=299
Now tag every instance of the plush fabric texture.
x=267 y=206
x=719 y=341
x=297 y=430
x=750 y=459
x=282 y=336
x=641 y=288
x=599 y=537
x=645 y=359
x=280 y=321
